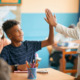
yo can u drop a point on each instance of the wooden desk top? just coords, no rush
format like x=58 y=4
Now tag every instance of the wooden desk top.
x=64 y=48
x=52 y=75
x=50 y=48
x=71 y=47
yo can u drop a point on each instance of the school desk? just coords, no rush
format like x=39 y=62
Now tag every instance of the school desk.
x=63 y=49
x=51 y=75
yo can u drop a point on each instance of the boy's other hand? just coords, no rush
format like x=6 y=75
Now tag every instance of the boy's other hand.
x=22 y=67
x=50 y=19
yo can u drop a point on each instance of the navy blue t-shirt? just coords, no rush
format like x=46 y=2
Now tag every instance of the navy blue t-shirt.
x=18 y=55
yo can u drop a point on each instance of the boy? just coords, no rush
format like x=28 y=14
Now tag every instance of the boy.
x=19 y=51
x=74 y=33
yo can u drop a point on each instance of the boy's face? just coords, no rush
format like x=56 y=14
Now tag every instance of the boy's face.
x=16 y=33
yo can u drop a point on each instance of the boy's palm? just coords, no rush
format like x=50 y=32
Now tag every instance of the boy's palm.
x=50 y=19
x=22 y=67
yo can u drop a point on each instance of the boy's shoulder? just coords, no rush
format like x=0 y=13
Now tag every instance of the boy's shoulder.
x=29 y=42
x=7 y=47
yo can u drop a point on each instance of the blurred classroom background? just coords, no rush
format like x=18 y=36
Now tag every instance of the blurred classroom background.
x=31 y=14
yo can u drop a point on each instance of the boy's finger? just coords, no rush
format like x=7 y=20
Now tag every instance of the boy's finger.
x=47 y=14
x=45 y=10
x=47 y=17
x=46 y=20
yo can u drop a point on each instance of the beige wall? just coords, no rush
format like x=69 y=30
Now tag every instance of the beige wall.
x=58 y=6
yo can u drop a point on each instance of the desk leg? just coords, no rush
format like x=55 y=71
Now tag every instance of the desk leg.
x=63 y=61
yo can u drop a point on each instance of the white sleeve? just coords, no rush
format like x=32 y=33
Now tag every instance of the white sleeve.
x=67 y=31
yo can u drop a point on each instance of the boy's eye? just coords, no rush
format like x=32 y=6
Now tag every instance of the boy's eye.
x=17 y=30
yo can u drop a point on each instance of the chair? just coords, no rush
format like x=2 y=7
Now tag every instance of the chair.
x=64 y=65
x=73 y=51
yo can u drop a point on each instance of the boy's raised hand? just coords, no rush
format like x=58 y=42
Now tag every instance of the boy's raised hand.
x=50 y=19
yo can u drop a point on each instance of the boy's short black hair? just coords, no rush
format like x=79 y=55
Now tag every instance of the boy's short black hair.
x=9 y=24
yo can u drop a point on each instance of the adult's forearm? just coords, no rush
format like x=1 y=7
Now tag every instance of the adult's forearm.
x=67 y=31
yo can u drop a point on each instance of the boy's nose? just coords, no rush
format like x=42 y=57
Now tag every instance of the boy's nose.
x=21 y=32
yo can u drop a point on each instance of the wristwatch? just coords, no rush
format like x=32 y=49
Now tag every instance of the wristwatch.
x=15 y=67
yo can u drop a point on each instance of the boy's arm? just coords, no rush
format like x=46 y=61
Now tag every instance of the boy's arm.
x=49 y=41
x=60 y=28
x=19 y=67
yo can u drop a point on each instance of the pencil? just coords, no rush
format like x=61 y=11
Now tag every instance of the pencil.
x=27 y=65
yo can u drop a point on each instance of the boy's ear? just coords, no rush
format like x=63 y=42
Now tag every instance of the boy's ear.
x=9 y=36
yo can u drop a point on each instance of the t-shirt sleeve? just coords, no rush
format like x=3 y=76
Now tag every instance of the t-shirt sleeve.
x=36 y=45
x=4 y=54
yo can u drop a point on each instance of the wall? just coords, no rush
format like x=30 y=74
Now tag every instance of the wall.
x=58 y=6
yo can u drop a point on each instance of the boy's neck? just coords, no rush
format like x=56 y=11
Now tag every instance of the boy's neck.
x=16 y=44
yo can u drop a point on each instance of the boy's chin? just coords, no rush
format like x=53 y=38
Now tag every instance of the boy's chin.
x=20 y=40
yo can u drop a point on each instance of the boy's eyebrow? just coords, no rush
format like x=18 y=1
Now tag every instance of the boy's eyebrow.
x=17 y=29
